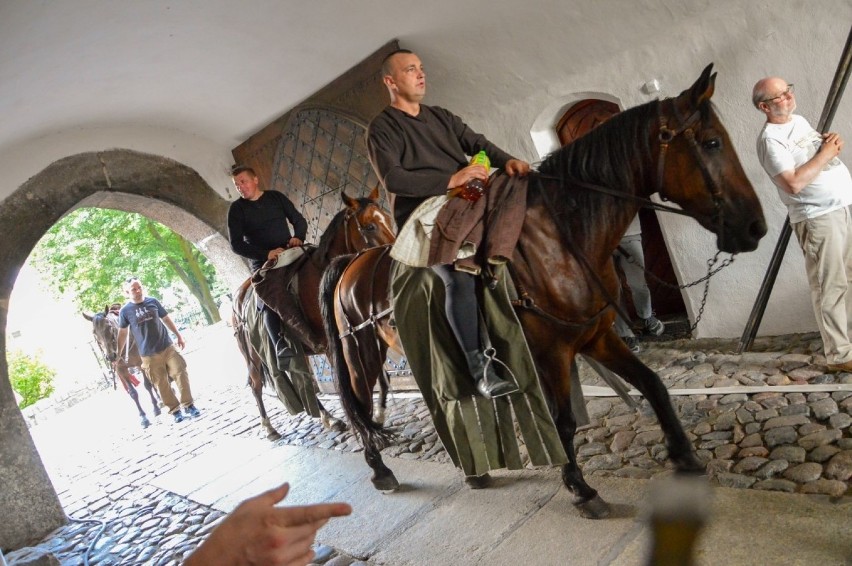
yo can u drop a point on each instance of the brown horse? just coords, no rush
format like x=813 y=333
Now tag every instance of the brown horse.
x=105 y=331
x=578 y=206
x=361 y=224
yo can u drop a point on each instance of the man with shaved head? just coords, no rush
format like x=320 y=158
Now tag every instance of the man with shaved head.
x=420 y=152
x=816 y=187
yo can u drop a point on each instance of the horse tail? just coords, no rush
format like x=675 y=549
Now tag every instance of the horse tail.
x=370 y=432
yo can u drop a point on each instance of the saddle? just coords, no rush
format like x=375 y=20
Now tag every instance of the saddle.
x=273 y=280
x=276 y=286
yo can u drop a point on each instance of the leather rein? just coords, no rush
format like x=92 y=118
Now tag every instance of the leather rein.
x=665 y=136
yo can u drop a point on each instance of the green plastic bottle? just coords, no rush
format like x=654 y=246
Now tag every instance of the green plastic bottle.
x=475 y=188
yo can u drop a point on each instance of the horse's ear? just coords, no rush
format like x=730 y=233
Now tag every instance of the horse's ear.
x=374 y=194
x=348 y=201
x=703 y=88
x=87 y=317
x=106 y=309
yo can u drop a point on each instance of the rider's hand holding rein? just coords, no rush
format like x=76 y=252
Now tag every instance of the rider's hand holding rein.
x=517 y=167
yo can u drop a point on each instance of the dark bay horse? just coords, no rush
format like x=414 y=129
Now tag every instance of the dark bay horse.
x=361 y=224
x=105 y=331
x=578 y=206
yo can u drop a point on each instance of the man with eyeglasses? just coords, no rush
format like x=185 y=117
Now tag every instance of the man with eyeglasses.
x=148 y=320
x=816 y=187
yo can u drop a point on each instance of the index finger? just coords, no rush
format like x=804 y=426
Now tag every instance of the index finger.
x=300 y=515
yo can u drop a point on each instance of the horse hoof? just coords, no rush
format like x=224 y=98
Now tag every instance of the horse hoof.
x=379 y=416
x=273 y=436
x=594 y=508
x=386 y=483
x=478 y=482
x=157 y=411
x=145 y=422
x=689 y=465
x=332 y=423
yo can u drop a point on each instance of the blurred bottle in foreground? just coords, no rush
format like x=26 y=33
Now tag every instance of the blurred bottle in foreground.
x=679 y=509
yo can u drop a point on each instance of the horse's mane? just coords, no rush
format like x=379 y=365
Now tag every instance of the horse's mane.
x=336 y=224
x=607 y=155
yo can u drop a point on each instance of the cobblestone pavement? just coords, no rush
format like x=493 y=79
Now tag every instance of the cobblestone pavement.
x=774 y=440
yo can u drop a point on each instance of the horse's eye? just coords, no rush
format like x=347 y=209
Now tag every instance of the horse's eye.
x=370 y=227
x=712 y=144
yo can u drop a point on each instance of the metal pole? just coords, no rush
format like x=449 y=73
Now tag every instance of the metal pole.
x=841 y=77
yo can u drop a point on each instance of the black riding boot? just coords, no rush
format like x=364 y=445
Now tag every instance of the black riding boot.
x=488 y=383
x=294 y=320
x=273 y=329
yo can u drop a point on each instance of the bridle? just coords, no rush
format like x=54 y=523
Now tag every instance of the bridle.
x=99 y=330
x=350 y=215
x=665 y=136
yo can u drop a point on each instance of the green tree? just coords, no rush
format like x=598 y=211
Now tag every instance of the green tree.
x=30 y=377
x=91 y=251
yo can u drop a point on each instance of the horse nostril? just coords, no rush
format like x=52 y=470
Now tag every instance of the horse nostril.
x=758 y=229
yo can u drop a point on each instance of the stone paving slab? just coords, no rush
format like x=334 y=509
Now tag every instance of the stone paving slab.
x=556 y=534
x=750 y=527
x=523 y=518
x=774 y=446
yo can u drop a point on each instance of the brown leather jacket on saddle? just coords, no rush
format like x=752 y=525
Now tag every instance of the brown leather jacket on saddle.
x=276 y=287
x=460 y=221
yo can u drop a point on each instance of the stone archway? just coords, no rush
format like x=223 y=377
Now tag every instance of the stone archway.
x=160 y=188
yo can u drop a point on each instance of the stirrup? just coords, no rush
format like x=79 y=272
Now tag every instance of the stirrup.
x=495 y=386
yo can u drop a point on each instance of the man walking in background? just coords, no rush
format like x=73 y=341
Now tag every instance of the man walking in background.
x=148 y=321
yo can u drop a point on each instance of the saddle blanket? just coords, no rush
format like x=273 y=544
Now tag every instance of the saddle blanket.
x=285 y=258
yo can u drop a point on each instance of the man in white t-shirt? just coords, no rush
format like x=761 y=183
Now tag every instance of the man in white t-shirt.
x=817 y=189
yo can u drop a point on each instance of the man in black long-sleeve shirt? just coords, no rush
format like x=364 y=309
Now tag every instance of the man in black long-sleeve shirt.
x=257 y=222
x=258 y=230
x=419 y=152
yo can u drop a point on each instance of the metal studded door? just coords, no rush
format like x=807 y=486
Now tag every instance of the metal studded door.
x=320 y=153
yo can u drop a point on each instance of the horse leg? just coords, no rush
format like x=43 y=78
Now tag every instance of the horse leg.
x=329 y=421
x=124 y=376
x=612 y=353
x=556 y=367
x=381 y=405
x=155 y=402
x=586 y=499
x=256 y=384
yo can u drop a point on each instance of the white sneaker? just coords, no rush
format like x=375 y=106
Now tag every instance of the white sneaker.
x=653 y=325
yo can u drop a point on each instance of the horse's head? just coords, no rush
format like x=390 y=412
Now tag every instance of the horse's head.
x=698 y=168
x=105 y=332
x=367 y=225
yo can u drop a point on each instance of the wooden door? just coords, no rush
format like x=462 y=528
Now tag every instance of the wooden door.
x=583 y=117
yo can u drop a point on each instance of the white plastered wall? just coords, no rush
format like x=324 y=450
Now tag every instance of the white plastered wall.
x=801 y=41
x=511 y=88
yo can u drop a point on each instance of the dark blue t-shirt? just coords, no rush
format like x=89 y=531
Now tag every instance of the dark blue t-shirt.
x=144 y=320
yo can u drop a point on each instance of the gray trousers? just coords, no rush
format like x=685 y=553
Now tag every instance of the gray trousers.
x=634 y=271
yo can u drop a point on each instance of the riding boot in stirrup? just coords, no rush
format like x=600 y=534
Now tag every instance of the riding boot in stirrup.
x=488 y=383
x=292 y=319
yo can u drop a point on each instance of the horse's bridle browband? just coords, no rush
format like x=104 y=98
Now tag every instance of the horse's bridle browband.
x=351 y=214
